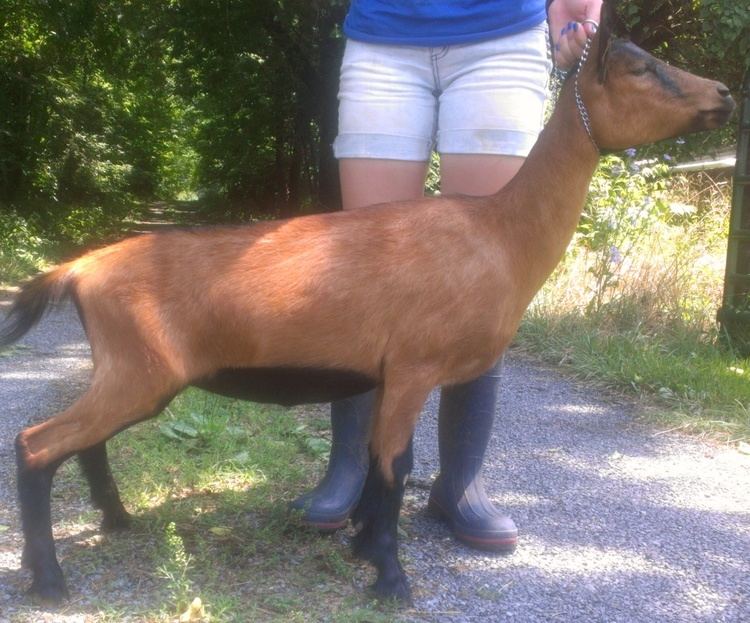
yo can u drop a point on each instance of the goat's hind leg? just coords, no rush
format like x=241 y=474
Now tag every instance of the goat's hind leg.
x=96 y=416
x=104 y=493
x=34 y=491
x=34 y=488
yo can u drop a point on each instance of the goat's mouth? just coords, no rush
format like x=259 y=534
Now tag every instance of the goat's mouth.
x=716 y=117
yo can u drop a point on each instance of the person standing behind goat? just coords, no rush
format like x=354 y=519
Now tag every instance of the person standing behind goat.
x=468 y=78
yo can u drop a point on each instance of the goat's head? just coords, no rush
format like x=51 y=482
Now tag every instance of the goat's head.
x=634 y=98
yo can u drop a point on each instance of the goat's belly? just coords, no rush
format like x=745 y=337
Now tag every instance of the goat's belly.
x=287 y=386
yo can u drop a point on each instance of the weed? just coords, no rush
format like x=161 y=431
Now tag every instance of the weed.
x=175 y=568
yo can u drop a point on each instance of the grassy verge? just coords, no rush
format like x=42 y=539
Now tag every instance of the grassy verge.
x=208 y=483
x=688 y=381
x=634 y=302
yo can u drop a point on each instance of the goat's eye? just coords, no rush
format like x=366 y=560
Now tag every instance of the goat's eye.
x=640 y=70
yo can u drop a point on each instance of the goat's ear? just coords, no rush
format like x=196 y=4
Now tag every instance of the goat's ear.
x=610 y=21
x=609 y=25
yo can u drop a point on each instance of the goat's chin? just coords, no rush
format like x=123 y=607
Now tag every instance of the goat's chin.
x=712 y=119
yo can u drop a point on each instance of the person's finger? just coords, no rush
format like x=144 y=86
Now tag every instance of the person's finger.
x=563 y=14
x=577 y=39
x=590 y=26
x=592 y=11
x=564 y=56
x=570 y=45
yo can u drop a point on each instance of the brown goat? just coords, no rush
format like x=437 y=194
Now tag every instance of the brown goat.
x=321 y=307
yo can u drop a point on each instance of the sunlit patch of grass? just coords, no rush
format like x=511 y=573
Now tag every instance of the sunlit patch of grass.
x=690 y=383
x=633 y=304
x=211 y=521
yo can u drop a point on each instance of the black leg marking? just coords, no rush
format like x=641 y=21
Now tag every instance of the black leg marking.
x=104 y=493
x=377 y=540
x=34 y=487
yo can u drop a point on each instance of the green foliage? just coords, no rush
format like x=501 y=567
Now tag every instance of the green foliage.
x=44 y=232
x=195 y=429
x=624 y=202
x=85 y=114
x=726 y=26
x=23 y=249
x=707 y=37
x=262 y=78
x=634 y=302
x=175 y=567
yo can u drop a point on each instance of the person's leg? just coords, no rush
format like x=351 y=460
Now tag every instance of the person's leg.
x=367 y=181
x=467 y=411
x=490 y=117
x=385 y=138
x=328 y=506
x=476 y=174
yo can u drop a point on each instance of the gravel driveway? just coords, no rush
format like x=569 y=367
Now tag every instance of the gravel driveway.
x=618 y=521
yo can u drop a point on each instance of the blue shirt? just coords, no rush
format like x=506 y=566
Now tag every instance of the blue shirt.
x=440 y=22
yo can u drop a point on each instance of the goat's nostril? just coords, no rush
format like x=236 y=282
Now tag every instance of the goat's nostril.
x=723 y=90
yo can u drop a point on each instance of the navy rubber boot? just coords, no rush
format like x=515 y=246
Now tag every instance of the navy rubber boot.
x=328 y=506
x=458 y=497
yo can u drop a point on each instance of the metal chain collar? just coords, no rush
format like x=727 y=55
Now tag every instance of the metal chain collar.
x=582 y=110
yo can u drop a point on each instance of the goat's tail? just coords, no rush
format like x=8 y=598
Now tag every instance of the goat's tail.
x=35 y=297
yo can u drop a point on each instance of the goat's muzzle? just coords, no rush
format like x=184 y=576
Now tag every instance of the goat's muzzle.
x=718 y=114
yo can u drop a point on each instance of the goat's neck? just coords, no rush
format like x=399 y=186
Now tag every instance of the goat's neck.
x=538 y=211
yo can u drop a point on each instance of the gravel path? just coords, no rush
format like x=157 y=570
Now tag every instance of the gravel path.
x=619 y=522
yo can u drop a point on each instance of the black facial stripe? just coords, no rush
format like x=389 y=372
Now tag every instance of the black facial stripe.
x=666 y=81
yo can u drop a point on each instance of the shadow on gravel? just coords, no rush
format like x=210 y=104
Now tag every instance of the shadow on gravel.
x=618 y=523
x=615 y=563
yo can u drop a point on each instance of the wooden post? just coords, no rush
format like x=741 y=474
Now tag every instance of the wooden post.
x=734 y=314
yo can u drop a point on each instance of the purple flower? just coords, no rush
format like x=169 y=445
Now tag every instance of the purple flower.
x=667 y=157
x=630 y=152
x=614 y=255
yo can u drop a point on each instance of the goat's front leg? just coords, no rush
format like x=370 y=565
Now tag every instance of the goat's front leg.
x=104 y=493
x=390 y=463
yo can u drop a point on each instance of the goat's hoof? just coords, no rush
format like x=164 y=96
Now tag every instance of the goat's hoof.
x=50 y=593
x=393 y=589
x=116 y=522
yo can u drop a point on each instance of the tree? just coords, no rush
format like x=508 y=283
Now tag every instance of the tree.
x=262 y=77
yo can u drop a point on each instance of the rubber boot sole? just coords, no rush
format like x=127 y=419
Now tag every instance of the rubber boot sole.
x=324 y=526
x=499 y=542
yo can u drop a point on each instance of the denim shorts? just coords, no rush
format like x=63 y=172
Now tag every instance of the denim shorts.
x=401 y=102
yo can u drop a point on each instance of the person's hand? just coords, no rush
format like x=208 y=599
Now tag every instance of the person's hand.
x=568 y=30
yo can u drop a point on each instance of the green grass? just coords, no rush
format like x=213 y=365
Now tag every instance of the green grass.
x=208 y=483
x=689 y=381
